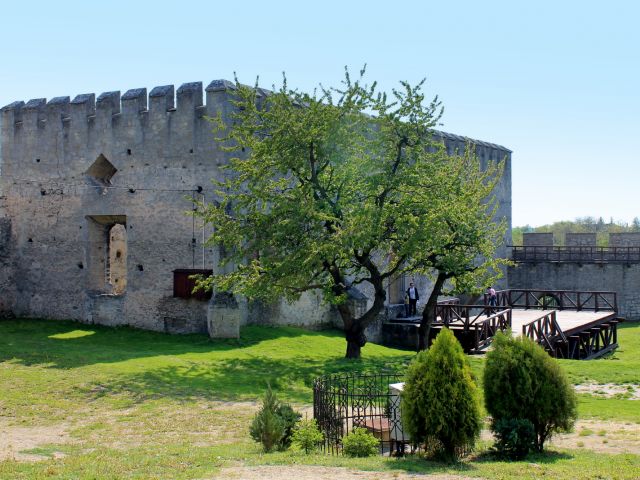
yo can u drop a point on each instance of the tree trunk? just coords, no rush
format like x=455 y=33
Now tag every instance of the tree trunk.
x=429 y=312
x=354 y=327
x=355 y=342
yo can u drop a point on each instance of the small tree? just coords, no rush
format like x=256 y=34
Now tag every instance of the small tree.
x=267 y=427
x=440 y=405
x=273 y=425
x=521 y=381
x=306 y=435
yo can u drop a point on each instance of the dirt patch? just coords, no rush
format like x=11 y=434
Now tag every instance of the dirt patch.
x=601 y=437
x=15 y=440
x=627 y=391
x=300 y=472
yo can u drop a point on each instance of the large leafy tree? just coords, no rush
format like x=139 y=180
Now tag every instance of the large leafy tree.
x=457 y=234
x=333 y=190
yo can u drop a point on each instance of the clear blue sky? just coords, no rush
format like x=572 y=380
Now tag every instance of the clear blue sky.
x=557 y=82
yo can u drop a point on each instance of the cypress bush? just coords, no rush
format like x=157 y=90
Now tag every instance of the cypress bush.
x=273 y=425
x=521 y=381
x=514 y=437
x=440 y=405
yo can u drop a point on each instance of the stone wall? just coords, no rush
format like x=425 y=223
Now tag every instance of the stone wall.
x=73 y=169
x=605 y=272
x=624 y=279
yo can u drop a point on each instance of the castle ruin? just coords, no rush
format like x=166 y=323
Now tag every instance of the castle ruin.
x=95 y=195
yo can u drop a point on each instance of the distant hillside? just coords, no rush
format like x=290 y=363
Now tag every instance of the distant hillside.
x=579 y=225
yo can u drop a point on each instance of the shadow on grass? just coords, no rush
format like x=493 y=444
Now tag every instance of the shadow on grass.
x=417 y=464
x=67 y=344
x=237 y=379
x=188 y=366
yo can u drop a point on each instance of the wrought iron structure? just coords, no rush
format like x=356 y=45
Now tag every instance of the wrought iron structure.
x=342 y=402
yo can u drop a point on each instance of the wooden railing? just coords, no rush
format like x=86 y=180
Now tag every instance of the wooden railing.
x=480 y=322
x=546 y=331
x=467 y=315
x=485 y=331
x=578 y=254
x=557 y=299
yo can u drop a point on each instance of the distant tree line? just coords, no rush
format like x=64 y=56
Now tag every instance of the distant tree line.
x=599 y=226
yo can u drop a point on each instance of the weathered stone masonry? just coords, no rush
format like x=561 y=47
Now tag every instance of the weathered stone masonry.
x=93 y=201
x=580 y=265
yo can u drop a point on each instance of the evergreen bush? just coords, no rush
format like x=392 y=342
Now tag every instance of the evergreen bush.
x=440 y=405
x=360 y=443
x=272 y=426
x=515 y=437
x=289 y=419
x=306 y=435
x=521 y=381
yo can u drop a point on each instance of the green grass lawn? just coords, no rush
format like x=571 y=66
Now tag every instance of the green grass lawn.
x=139 y=404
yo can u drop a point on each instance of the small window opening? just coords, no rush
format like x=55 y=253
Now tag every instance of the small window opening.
x=128 y=151
x=101 y=171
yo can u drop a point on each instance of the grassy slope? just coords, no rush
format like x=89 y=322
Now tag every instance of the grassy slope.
x=53 y=372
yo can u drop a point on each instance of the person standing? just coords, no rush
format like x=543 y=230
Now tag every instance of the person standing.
x=412 y=295
x=493 y=300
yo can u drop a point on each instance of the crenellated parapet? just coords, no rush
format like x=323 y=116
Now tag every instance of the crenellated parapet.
x=158 y=137
x=155 y=111
x=165 y=128
x=108 y=108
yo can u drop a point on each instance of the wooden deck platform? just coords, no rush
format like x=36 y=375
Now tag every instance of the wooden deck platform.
x=569 y=321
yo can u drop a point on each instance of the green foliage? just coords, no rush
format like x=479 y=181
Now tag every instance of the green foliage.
x=440 y=404
x=267 y=427
x=360 y=443
x=515 y=437
x=306 y=435
x=346 y=186
x=289 y=418
x=522 y=381
x=273 y=425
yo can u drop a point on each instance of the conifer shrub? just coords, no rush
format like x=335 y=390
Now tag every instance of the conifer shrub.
x=440 y=403
x=515 y=437
x=360 y=443
x=306 y=435
x=289 y=418
x=521 y=381
x=273 y=425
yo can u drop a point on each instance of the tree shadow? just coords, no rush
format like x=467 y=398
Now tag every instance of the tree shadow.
x=236 y=379
x=67 y=344
x=466 y=466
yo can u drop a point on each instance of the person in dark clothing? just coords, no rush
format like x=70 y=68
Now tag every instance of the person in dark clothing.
x=412 y=295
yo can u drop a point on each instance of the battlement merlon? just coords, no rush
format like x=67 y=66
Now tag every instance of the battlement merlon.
x=161 y=103
x=188 y=97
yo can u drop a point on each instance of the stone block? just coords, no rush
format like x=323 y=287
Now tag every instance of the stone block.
x=631 y=239
x=537 y=239
x=223 y=316
x=580 y=240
